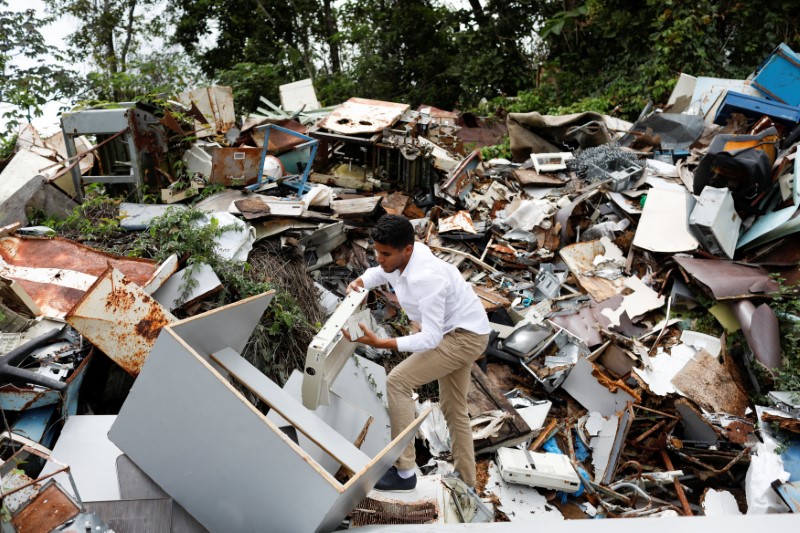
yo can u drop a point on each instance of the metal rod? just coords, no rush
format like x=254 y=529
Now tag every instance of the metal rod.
x=678 y=487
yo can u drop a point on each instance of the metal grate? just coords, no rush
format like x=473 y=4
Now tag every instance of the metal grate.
x=371 y=511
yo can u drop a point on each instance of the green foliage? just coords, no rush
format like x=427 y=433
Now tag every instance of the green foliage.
x=7 y=146
x=185 y=232
x=786 y=304
x=631 y=53
x=95 y=220
x=30 y=72
x=498 y=151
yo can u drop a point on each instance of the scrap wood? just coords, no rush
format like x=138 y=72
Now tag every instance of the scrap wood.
x=465 y=254
x=711 y=385
x=491 y=300
x=785 y=423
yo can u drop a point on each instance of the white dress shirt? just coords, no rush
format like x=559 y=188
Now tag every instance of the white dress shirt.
x=433 y=293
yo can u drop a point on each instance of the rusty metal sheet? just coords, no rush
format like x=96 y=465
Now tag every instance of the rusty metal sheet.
x=461 y=181
x=235 y=167
x=280 y=142
x=461 y=221
x=55 y=273
x=359 y=115
x=727 y=280
x=117 y=316
x=50 y=508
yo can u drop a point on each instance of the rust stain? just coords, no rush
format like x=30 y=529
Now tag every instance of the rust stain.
x=46 y=511
x=149 y=328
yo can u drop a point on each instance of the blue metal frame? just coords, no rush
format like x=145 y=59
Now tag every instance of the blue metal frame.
x=312 y=143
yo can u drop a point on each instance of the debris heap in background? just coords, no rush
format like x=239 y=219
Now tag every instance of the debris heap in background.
x=640 y=281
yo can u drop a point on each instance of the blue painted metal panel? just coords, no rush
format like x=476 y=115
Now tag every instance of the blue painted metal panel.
x=13 y=398
x=34 y=424
x=754 y=108
x=790 y=494
x=778 y=77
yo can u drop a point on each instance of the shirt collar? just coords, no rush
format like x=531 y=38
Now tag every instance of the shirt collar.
x=411 y=261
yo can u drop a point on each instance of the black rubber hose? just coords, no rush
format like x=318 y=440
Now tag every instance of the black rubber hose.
x=9 y=371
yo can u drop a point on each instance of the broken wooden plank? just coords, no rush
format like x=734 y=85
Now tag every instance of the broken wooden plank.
x=357 y=207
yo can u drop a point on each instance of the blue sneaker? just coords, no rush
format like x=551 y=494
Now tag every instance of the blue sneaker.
x=392 y=482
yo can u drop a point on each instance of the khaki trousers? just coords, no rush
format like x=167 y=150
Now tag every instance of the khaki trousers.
x=450 y=363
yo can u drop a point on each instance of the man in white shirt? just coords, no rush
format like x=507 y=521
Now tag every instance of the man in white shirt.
x=454 y=332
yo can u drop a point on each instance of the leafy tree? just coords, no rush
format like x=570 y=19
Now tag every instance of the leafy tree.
x=630 y=52
x=119 y=38
x=258 y=46
x=29 y=72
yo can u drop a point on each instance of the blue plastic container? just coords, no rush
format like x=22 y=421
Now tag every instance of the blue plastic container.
x=778 y=77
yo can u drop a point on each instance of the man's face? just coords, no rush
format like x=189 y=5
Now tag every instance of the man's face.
x=391 y=258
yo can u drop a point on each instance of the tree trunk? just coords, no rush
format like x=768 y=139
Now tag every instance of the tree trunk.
x=477 y=11
x=331 y=30
x=123 y=56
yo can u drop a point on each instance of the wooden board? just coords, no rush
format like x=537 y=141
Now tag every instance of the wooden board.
x=491 y=300
x=531 y=177
x=484 y=397
x=358 y=207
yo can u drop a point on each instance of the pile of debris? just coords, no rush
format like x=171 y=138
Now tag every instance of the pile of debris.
x=628 y=270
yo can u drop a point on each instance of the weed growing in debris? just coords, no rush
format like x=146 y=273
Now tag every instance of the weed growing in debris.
x=95 y=221
x=786 y=304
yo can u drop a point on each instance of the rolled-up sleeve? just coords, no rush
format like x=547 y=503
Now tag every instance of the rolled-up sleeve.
x=373 y=276
x=432 y=309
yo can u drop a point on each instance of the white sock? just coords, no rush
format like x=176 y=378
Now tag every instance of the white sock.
x=405 y=474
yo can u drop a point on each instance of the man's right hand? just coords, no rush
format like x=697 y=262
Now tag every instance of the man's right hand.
x=356 y=285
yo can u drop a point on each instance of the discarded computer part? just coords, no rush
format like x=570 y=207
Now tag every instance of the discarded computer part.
x=328 y=351
x=715 y=222
x=547 y=356
x=548 y=284
x=550 y=162
x=543 y=470
x=46 y=370
x=620 y=176
x=528 y=340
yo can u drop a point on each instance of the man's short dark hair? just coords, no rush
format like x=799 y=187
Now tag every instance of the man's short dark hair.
x=393 y=230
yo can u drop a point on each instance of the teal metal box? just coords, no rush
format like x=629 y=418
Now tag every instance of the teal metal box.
x=778 y=76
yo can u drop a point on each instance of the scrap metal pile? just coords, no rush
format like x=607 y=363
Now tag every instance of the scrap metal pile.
x=630 y=273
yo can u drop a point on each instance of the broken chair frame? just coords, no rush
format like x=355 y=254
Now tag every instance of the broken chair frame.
x=310 y=143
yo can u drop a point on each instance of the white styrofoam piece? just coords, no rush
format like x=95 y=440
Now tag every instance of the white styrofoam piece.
x=663 y=367
x=720 y=502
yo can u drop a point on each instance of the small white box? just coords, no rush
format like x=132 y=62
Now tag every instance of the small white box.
x=543 y=470
x=715 y=222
